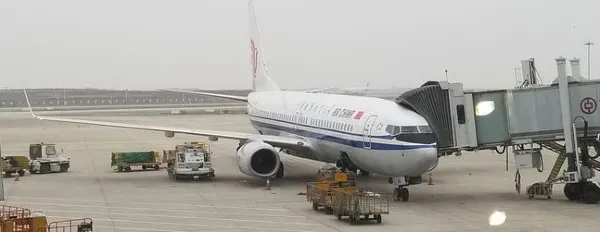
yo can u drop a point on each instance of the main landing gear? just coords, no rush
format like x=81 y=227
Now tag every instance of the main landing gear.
x=401 y=193
x=278 y=175
x=344 y=163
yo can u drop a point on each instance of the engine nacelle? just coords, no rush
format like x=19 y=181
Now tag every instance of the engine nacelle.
x=257 y=158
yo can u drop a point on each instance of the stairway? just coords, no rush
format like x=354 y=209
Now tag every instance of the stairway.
x=560 y=160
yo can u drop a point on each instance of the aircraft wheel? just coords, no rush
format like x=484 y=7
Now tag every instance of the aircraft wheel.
x=280 y=171
x=404 y=194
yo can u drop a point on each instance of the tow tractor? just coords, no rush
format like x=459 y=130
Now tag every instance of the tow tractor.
x=192 y=159
x=44 y=159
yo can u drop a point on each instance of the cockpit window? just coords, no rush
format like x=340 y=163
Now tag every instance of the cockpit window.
x=409 y=129
x=394 y=130
x=413 y=134
x=425 y=129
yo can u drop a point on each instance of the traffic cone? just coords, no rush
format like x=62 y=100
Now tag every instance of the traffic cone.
x=17 y=178
x=268 y=184
x=430 y=179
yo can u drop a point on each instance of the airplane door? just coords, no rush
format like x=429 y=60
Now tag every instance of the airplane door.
x=367 y=131
x=296 y=120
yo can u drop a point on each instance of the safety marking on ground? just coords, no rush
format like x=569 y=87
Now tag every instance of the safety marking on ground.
x=167 y=216
x=103 y=203
x=165 y=210
x=588 y=105
x=186 y=224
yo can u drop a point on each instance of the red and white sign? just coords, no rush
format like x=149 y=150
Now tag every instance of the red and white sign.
x=359 y=114
x=588 y=105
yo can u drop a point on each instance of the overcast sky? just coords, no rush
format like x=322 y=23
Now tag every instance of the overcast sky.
x=148 y=44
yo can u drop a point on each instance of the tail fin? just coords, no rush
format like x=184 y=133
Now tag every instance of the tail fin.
x=260 y=78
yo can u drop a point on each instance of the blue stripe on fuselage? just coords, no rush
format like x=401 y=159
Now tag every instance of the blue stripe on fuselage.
x=343 y=141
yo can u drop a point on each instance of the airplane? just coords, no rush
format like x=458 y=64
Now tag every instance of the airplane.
x=357 y=133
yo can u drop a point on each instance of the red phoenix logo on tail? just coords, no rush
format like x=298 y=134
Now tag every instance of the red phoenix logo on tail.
x=254 y=57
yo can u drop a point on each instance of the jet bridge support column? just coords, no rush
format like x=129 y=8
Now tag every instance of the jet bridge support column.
x=563 y=89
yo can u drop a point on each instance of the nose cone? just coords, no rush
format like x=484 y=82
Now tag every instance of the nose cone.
x=428 y=158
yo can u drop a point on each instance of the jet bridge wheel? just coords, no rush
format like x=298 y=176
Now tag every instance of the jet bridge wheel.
x=591 y=193
x=571 y=191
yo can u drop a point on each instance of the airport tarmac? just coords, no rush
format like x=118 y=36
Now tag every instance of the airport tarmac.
x=466 y=189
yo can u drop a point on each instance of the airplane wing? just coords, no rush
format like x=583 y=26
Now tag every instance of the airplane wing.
x=276 y=141
x=230 y=97
x=319 y=90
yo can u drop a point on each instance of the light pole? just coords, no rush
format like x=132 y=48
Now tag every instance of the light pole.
x=589 y=44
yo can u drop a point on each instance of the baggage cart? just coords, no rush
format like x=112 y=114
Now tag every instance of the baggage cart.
x=320 y=194
x=14 y=164
x=123 y=161
x=361 y=202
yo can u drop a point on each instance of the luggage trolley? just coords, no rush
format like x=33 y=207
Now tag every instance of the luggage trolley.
x=360 y=202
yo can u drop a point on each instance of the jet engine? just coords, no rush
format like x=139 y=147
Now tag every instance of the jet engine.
x=257 y=158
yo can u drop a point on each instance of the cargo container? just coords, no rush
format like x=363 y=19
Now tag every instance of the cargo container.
x=123 y=161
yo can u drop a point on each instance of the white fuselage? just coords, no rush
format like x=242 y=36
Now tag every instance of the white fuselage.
x=361 y=127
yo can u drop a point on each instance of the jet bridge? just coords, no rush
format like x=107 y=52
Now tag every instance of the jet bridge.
x=521 y=118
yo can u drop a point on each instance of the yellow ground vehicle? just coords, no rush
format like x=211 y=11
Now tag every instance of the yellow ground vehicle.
x=14 y=164
x=329 y=178
x=17 y=219
x=321 y=194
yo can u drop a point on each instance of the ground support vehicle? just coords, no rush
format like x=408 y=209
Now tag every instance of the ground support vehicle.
x=328 y=177
x=17 y=219
x=331 y=173
x=190 y=160
x=14 y=164
x=360 y=202
x=123 y=161
x=44 y=159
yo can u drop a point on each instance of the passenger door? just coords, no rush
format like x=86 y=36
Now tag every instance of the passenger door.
x=296 y=121
x=368 y=128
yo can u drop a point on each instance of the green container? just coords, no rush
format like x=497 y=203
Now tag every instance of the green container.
x=127 y=158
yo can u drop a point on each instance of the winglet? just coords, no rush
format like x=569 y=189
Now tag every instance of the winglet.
x=29 y=104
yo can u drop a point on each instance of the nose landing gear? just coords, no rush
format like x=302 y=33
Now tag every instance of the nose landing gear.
x=400 y=192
